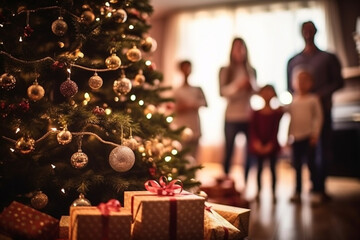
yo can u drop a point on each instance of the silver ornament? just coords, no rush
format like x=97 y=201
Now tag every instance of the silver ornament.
x=95 y=82
x=119 y=16
x=121 y=159
x=122 y=86
x=59 y=27
x=113 y=62
x=7 y=81
x=79 y=159
x=134 y=54
x=39 y=201
x=81 y=202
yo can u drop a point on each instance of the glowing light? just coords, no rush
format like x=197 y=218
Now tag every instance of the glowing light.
x=167 y=158
x=63 y=190
x=169 y=119
x=87 y=96
x=141 y=102
x=53 y=129
x=174 y=152
x=108 y=111
x=85 y=102
x=149 y=116
x=148 y=63
x=17 y=130
x=68 y=70
x=143 y=154
x=256 y=102
x=131 y=26
x=107 y=4
x=1 y=25
x=109 y=14
x=169 y=178
x=12 y=150
x=285 y=98
x=116 y=99
x=20 y=39
x=53 y=166
x=133 y=97
x=97 y=19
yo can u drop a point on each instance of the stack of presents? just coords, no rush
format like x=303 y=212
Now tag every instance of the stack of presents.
x=164 y=211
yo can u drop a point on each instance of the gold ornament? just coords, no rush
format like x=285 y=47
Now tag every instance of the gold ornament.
x=149 y=44
x=25 y=145
x=79 y=159
x=39 y=201
x=134 y=54
x=113 y=62
x=59 y=27
x=87 y=17
x=7 y=81
x=64 y=137
x=139 y=78
x=95 y=82
x=81 y=202
x=122 y=86
x=121 y=159
x=119 y=16
x=35 y=91
x=130 y=143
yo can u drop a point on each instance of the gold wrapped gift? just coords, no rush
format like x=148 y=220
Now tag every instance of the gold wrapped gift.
x=216 y=227
x=64 y=227
x=239 y=217
x=89 y=223
x=165 y=217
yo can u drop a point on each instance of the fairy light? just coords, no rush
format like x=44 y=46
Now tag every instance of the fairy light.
x=20 y=39
x=87 y=96
x=147 y=62
x=174 y=152
x=149 y=116
x=97 y=19
x=169 y=119
x=63 y=190
x=141 y=102
x=85 y=102
x=53 y=129
x=167 y=158
x=17 y=130
x=133 y=97
x=53 y=166
x=107 y=4
x=12 y=150
x=108 y=111
x=169 y=178
x=116 y=99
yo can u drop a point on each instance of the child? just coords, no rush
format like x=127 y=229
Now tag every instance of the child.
x=263 y=142
x=306 y=120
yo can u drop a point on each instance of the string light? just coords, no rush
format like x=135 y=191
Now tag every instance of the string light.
x=53 y=166
x=131 y=26
x=108 y=111
x=169 y=119
x=167 y=158
x=149 y=116
x=174 y=152
x=141 y=102
x=63 y=190
x=133 y=97
x=17 y=130
x=147 y=62
x=12 y=150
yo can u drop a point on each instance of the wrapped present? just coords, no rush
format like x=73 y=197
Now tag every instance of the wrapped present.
x=23 y=222
x=216 y=227
x=106 y=221
x=160 y=213
x=64 y=227
x=239 y=217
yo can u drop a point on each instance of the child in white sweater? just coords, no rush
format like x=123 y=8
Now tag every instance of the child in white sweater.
x=306 y=119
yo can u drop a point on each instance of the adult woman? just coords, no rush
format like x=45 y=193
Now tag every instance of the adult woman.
x=237 y=82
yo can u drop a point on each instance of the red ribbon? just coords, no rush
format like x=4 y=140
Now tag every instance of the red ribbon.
x=163 y=187
x=112 y=205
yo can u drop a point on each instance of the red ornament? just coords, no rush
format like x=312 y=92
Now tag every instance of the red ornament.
x=24 y=105
x=28 y=31
x=98 y=111
x=152 y=171
x=57 y=65
x=68 y=88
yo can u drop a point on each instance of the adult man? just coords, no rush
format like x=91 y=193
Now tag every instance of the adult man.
x=326 y=70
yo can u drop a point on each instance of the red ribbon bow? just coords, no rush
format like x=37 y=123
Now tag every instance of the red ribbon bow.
x=111 y=205
x=163 y=187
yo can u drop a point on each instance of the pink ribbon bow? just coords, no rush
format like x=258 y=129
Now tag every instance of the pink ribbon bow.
x=163 y=187
x=112 y=205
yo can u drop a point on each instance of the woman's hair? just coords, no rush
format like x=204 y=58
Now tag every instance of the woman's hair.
x=268 y=86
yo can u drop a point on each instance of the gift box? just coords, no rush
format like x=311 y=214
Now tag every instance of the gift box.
x=160 y=217
x=23 y=222
x=238 y=217
x=64 y=227
x=216 y=227
x=90 y=223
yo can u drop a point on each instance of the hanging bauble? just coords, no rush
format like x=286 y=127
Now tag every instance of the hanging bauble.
x=134 y=54
x=28 y=31
x=98 y=111
x=113 y=62
x=150 y=109
x=139 y=78
x=87 y=17
x=68 y=88
x=59 y=27
x=121 y=159
x=149 y=44
x=7 y=81
x=95 y=82
x=81 y=202
x=119 y=16
x=130 y=143
x=39 y=200
x=35 y=91
x=187 y=134
x=25 y=145
x=64 y=137
x=79 y=159
x=122 y=85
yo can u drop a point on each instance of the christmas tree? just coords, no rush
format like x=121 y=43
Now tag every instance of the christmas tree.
x=81 y=106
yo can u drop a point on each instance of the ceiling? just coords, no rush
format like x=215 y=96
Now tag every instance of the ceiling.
x=163 y=7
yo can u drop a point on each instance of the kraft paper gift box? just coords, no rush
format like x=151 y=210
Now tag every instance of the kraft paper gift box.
x=239 y=217
x=23 y=222
x=217 y=228
x=64 y=227
x=178 y=217
x=88 y=223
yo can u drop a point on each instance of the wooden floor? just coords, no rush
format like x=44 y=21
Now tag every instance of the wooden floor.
x=337 y=219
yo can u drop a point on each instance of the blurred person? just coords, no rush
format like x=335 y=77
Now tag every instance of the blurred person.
x=263 y=141
x=306 y=120
x=236 y=82
x=188 y=100
x=325 y=68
